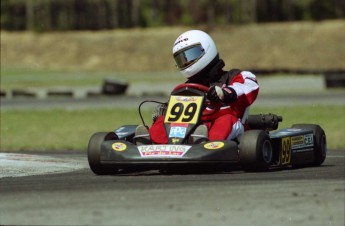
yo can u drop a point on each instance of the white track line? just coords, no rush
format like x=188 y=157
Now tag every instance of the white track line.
x=19 y=165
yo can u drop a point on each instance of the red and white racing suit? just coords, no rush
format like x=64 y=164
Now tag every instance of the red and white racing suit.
x=228 y=122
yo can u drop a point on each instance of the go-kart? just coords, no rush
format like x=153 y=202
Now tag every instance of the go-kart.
x=260 y=148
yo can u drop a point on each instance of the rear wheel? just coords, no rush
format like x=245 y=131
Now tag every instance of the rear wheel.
x=94 y=153
x=320 y=141
x=255 y=150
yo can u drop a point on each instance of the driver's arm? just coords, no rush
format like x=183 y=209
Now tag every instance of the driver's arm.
x=242 y=86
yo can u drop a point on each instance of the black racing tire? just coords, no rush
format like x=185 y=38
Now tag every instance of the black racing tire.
x=94 y=153
x=320 y=142
x=255 y=150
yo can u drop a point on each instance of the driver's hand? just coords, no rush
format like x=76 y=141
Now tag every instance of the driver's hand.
x=218 y=94
x=215 y=94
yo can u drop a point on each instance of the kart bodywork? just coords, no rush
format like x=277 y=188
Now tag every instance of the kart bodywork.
x=260 y=148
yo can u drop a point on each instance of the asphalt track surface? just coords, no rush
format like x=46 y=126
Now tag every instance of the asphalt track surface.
x=301 y=196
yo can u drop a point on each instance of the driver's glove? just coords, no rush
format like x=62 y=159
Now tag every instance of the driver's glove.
x=218 y=94
x=159 y=111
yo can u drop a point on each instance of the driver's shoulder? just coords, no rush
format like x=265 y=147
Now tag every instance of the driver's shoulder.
x=228 y=76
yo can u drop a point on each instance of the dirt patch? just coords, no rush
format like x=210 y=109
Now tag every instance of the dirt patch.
x=307 y=45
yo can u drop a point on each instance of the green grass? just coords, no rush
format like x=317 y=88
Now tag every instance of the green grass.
x=330 y=118
x=58 y=129
x=17 y=78
x=71 y=130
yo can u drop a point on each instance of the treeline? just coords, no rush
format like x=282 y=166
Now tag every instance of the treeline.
x=53 y=15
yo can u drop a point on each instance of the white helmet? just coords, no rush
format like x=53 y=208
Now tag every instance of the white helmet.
x=193 y=51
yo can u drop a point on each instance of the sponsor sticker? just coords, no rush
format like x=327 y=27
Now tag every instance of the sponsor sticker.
x=178 y=130
x=309 y=139
x=214 y=145
x=297 y=141
x=170 y=151
x=118 y=146
x=187 y=99
x=175 y=140
x=302 y=141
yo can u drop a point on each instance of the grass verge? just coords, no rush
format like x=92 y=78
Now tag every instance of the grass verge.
x=17 y=78
x=71 y=130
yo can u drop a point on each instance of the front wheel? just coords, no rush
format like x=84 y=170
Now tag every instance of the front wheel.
x=255 y=150
x=320 y=141
x=94 y=153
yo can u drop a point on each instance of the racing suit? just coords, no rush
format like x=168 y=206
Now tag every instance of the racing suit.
x=229 y=122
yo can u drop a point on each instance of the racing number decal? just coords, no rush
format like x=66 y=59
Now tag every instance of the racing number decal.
x=285 y=157
x=178 y=109
x=183 y=109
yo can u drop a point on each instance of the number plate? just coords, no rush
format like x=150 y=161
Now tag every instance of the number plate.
x=285 y=157
x=182 y=109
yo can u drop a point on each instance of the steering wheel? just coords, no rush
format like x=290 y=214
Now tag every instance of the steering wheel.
x=213 y=107
x=192 y=85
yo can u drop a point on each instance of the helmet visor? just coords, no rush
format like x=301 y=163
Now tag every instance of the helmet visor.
x=187 y=57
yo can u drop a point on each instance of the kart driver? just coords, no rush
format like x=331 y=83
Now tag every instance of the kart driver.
x=197 y=58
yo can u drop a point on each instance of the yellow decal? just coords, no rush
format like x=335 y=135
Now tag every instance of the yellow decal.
x=119 y=146
x=182 y=109
x=175 y=140
x=214 y=145
x=297 y=141
x=285 y=157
